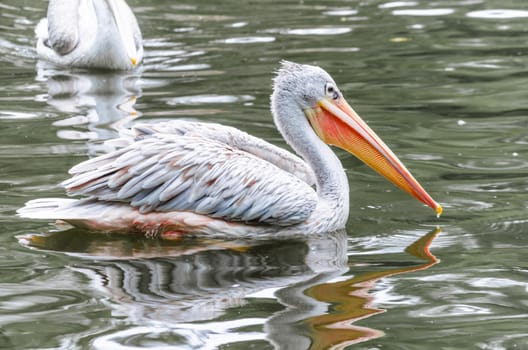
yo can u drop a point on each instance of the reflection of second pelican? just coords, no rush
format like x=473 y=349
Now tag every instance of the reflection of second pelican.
x=101 y=100
x=209 y=291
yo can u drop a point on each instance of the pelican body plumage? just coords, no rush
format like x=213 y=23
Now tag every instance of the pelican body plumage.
x=91 y=34
x=179 y=177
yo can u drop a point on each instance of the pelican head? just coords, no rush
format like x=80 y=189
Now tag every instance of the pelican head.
x=311 y=90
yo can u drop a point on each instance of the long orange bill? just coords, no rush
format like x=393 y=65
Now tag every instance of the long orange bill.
x=336 y=123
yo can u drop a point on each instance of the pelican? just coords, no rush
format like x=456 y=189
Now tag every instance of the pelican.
x=179 y=177
x=91 y=34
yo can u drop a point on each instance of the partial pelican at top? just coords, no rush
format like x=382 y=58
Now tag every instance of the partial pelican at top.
x=90 y=33
x=180 y=177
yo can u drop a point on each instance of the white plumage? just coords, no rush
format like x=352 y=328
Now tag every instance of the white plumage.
x=90 y=33
x=182 y=177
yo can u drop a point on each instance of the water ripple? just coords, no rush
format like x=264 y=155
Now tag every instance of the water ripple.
x=452 y=310
x=502 y=164
x=341 y=12
x=505 y=341
x=17 y=115
x=248 y=40
x=496 y=283
x=423 y=12
x=237 y=25
x=312 y=31
x=20 y=303
x=394 y=4
x=498 y=14
x=511 y=226
x=467 y=205
x=208 y=99
x=187 y=67
x=210 y=335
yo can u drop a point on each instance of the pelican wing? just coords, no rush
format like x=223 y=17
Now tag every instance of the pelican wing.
x=229 y=136
x=168 y=172
x=63 y=29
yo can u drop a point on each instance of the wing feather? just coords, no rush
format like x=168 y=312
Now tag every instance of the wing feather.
x=95 y=162
x=168 y=172
x=226 y=135
x=119 y=178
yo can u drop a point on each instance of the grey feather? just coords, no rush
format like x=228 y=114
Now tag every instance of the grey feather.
x=94 y=163
x=234 y=138
x=167 y=172
x=176 y=186
x=119 y=178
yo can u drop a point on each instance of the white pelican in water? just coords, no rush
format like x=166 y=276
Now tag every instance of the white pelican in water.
x=90 y=33
x=182 y=177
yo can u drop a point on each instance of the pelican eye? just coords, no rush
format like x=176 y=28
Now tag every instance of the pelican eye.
x=331 y=91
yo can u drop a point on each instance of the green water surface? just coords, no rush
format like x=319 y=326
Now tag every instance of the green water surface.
x=444 y=83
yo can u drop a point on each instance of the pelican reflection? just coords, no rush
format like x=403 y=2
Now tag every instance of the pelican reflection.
x=294 y=294
x=96 y=103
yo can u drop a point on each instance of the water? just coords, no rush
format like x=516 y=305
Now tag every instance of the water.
x=442 y=82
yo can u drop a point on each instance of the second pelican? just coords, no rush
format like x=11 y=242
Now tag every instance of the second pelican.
x=91 y=34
